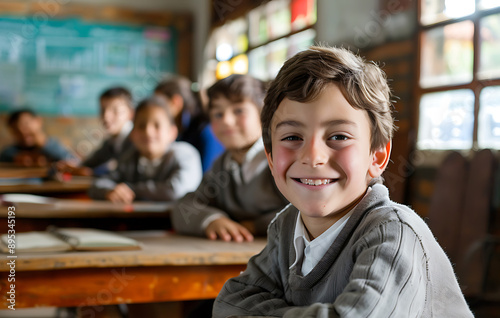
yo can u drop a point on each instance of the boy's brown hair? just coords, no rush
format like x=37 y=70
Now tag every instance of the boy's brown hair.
x=305 y=75
x=118 y=92
x=237 y=88
x=179 y=85
x=154 y=102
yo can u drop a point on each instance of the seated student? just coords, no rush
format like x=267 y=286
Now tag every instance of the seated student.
x=116 y=115
x=342 y=248
x=237 y=197
x=32 y=147
x=190 y=118
x=157 y=168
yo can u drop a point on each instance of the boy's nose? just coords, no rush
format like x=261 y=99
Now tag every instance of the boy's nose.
x=228 y=119
x=315 y=153
x=150 y=130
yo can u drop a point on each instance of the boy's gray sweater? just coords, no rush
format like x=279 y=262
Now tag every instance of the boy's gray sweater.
x=257 y=199
x=384 y=263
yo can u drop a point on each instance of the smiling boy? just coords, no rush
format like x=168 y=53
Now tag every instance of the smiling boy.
x=158 y=168
x=342 y=248
x=237 y=197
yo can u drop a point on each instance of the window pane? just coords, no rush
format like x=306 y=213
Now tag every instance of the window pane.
x=303 y=13
x=300 y=41
x=439 y=10
x=257 y=60
x=447 y=55
x=279 y=18
x=488 y=4
x=258 y=26
x=489 y=65
x=489 y=118
x=446 y=120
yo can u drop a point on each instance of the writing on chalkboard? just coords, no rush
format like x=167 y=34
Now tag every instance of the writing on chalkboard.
x=60 y=67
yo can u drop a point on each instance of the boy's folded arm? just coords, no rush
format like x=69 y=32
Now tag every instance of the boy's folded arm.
x=57 y=151
x=258 y=291
x=195 y=209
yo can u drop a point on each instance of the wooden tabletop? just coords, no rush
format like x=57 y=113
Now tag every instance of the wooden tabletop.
x=39 y=186
x=10 y=170
x=158 y=248
x=168 y=268
x=31 y=206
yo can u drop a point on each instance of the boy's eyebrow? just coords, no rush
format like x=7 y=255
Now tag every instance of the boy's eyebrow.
x=336 y=122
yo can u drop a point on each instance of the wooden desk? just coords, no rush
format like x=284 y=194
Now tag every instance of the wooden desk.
x=168 y=268
x=31 y=216
x=30 y=206
x=74 y=185
x=10 y=170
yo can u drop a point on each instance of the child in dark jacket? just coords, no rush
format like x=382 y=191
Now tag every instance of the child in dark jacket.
x=158 y=168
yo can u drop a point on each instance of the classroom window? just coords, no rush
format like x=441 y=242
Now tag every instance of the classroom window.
x=261 y=40
x=459 y=84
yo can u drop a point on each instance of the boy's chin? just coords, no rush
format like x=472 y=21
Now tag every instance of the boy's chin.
x=152 y=154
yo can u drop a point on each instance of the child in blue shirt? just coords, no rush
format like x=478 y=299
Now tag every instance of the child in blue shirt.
x=32 y=147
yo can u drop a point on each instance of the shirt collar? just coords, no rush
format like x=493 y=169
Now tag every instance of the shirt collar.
x=322 y=243
x=147 y=166
x=253 y=163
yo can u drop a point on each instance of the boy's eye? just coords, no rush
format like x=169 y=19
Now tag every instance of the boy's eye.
x=290 y=138
x=216 y=115
x=239 y=111
x=339 y=137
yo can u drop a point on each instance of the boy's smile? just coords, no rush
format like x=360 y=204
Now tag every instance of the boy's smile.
x=321 y=158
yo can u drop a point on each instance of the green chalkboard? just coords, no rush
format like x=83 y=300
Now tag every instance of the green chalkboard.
x=60 y=67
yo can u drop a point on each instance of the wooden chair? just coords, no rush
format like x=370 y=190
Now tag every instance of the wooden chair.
x=460 y=218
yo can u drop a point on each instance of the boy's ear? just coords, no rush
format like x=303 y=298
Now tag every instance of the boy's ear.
x=269 y=157
x=176 y=104
x=380 y=159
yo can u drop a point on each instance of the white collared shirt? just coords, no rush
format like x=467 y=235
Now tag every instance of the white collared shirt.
x=311 y=252
x=148 y=167
x=252 y=165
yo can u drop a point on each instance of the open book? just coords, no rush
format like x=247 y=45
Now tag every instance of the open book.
x=67 y=239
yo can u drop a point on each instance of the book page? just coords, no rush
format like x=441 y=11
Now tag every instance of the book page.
x=37 y=242
x=93 y=239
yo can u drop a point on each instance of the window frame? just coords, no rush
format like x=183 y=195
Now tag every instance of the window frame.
x=476 y=84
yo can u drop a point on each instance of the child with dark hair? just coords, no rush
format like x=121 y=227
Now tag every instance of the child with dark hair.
x=237 y=197
x=342 y=248
x=32 y=147
x=190 y=119
x=116 y=106
x=158 y=168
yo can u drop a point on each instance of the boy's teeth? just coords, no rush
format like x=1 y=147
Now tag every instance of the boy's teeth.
x=315 y=182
